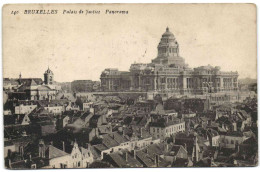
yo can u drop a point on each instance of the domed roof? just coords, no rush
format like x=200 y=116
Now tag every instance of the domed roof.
x=168 y=39
x=48 y=71
x=167 y=33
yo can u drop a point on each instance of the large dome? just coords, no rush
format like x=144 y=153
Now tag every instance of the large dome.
x=168 y=51
x=167 y=33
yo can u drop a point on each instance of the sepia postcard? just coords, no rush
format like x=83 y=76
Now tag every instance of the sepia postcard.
x=129 y=85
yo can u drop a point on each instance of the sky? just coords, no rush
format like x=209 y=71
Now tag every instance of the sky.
x=80 y=46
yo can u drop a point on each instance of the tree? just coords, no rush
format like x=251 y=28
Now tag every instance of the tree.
x=79 y=102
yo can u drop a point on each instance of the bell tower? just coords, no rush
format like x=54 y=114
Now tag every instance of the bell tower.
x=48 y=77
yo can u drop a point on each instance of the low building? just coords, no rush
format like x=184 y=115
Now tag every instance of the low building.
x=88 y=106
x=232 y=139
x=25 y=108
x=54 y=109
x=85 y=86
x=165 y=128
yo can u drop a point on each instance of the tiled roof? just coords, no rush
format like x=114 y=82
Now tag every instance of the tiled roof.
x=109 y=142
x=145 y=158
x=100 y=147
x=120 y=159
x=53 y=152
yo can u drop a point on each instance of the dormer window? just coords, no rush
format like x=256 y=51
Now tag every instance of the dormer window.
x=33 y=166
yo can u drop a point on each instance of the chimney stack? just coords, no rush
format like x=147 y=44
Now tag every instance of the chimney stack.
x=123 y=132
x=21 y=151
x=173 y=139
x=134 y=154
x=167 y=147
x=147 y=151
x=63 y=146
x=126 y=156
x=9 y=163
x=41 y=149
x=185 y=146
x=156 y=160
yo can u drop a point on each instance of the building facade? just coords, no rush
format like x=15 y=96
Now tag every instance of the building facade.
x=169 y=73
x=33 y=88
x=84 y=86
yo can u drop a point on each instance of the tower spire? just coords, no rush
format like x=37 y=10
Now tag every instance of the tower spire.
x=20 y=78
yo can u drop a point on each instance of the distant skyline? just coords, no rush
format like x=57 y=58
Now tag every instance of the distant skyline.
x=79 y=47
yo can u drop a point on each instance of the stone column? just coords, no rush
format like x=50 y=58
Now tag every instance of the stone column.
x=109 y=86
x=184 y=83
x=155 y=84
x=131 y=83
x=139 y=83
x=166 y=87
x=221 y=83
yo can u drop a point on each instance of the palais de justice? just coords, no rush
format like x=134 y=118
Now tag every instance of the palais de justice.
x=168 y=73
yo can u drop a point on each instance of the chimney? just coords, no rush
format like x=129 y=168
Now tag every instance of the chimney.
x=141 y=133
x=185 y=146
x=123 y=132
x=173 y=139
x=134 y=154
x=9 y=163
x=63 y=146
x=89 y=146
x=126 y=156
x=234 y=126
x=41 y=148
x=167 y=147
x=30 y=157
x=156 y=160
x=196 y=150
x=237 y=147
x=21 y=151
x=147 y=151
x=211 y=161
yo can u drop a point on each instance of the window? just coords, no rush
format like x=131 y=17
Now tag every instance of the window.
x=33 y=166
x=181 y=155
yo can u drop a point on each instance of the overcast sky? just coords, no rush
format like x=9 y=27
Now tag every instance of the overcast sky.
x=82 y=46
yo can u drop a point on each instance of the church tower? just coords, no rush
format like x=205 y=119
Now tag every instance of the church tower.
x=20 y=78
x=48 y=77
x=168 y=51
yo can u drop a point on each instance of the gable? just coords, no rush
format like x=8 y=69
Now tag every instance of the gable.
x=43 y=87
x=26 y=120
